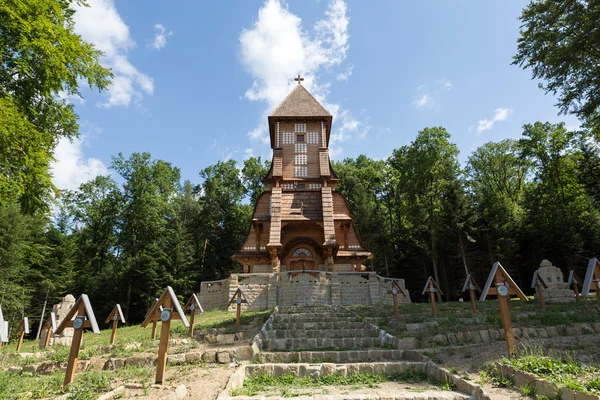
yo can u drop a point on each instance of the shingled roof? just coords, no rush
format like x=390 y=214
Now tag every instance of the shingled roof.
x=300 y=103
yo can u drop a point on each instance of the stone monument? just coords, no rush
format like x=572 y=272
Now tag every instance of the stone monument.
x=558 y=290
x=60 y=310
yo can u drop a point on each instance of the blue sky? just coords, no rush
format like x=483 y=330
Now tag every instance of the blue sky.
x=195 y=82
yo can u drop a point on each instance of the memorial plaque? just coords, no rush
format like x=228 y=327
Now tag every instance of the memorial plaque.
x=3 y=329
x=500 y=283
x=432 y=287
x=472 y=286
x=396 y=289
x=79 y=317
x=114 y=317
x=166 y=308
x=591 y=282
x=193 y=306
x=238 y=298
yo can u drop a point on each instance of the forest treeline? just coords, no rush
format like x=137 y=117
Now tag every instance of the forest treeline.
x=420 y=212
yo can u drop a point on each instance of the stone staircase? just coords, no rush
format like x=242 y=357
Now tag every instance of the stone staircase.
x=324 y=334
x=313 y=341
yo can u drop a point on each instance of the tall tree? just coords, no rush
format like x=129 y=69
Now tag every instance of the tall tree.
x=41 y=58
x=253 y=173
x=560 y=42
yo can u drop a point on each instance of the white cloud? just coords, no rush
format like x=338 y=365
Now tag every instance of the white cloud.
x=499 y=115
x=160 y=37
x=101 y=24
x=71 y=168
x=277 y=47
x=426 y=95
x=343 y=76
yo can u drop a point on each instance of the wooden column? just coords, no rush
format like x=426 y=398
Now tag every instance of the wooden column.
x=396 y=312
x=509 y=335
x=75 y=345
x=20 y=342
x=154 y=329
x=576 y=290
x=48 y=334
x=164 y=344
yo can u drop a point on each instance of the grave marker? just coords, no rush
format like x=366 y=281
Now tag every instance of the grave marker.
x=538 y=283
x=238 y=301
x=576 y=283
x=84 y=318
x=49 y=327
x=115 y=316
x=3 y=329
x=472 y=286
x=193 y=306
x=163 y=309
x=592 y=279
x=394 y=291
x=154 y=322
x=432 y=287
x=503 y=287
x=21 y=331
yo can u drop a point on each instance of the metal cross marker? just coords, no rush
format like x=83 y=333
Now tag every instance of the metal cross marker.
x=299 y=79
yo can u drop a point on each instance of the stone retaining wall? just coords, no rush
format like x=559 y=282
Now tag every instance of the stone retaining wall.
x=267 y=290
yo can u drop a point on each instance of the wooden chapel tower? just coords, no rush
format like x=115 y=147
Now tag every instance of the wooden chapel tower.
x=301 y=222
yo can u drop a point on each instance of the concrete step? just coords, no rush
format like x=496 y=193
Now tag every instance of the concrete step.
x=342 y=356
x=289 y=326
x=310 y=318
x=320 y=333
x=321 y=343
x=308 y=309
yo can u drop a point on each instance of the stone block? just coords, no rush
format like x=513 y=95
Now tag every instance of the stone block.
x=596 y=326
x=440 y=339
x=32 y=368
x=409 y=343
x=209 y=356
x=279 y=369
x=552 y=331
x=140 y=360
x=194 y=357
x=494 y=334
x=484 y=335
x=341 y=370
x=353 y=369
x=365 y=368
x=546 y=388
x=176 y=359
x=587 y=329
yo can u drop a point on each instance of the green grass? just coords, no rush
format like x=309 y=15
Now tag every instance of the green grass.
x=457 y=316
x=288 y=385
x=563 y=371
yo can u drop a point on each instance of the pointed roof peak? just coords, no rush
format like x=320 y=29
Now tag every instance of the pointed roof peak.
x=300 y=103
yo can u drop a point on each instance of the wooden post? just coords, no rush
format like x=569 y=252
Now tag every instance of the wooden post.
x=192 y=316
x=597 y=290
x=75 y=346
x=165 y=329
x=113 y=318
x=21 y=331
x=509 y=334
x=396 y=289
x=48 y=334
x=541 y=296
x=114 y=332
x=20 y=342
x=473 y=305
x=238 y=312
x=154 y=330
x=433 y=308
x=193 y=306
x=396 y=312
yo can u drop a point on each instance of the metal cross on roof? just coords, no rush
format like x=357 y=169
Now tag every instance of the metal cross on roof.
x=299 y=79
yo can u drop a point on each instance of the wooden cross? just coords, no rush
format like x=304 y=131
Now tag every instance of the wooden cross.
x=538 y=283
x=575 y=282
x=472 y=286
x=166 y=308
x=115 y=315
x=3 y=329
x=238 y=298
x=592 y=279
x=394 y=291
x=49 y=327
x=21 y=331
x=503 y=287
x=80 y=316
x=432 y=287
x=299 y=79
x=193 y=306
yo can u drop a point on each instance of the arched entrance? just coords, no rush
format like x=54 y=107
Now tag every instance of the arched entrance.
x=302 y=259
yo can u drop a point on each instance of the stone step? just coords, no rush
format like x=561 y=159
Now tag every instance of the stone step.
x=321 y=343
x=317 y=325
x=343 y=356
x=320 y=333
x=310 y=318
x=308 y=309
x=318 y=314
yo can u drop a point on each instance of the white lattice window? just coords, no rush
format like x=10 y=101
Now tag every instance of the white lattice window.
x=300 y=148
x=314 y=186
x=354 y=246
x=300 y=159
x=312 y=138
x=287 y=186
x=299 y=127
x=323 y=133
x=301 y=171
x=277 y=136
x=289 y=137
